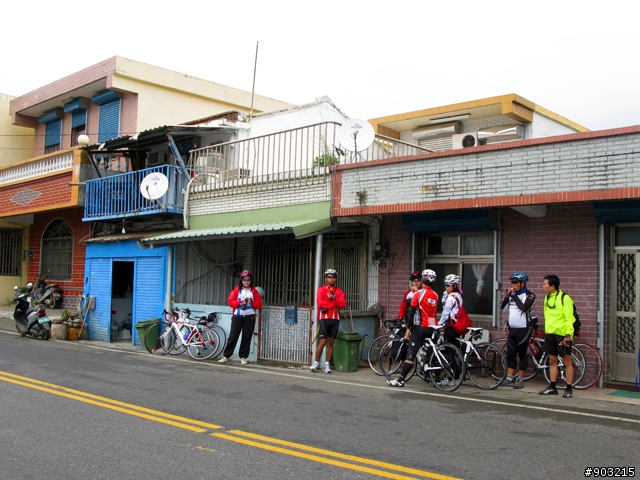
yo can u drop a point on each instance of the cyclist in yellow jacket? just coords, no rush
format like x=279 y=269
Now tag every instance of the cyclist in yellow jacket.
x=558 y=325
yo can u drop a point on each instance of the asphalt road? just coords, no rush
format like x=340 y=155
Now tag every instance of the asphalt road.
x=106 y=413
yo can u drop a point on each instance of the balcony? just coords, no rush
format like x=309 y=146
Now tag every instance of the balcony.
x=44 y=165
x=293 y=158
x=118 y=196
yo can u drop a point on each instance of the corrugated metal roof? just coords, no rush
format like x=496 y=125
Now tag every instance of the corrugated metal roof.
x=237 y=231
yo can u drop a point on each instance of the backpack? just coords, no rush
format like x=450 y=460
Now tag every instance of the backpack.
x=463 y=322
x=577 y=324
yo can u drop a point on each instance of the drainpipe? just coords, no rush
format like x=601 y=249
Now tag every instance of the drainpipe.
x=601 y=304
x=176 y=153
x=317 y=277
x=169 y=280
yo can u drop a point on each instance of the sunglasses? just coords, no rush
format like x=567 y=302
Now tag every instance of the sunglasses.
x=331 y=276
x=515 y=281
x=447 y=285
x=246 y=279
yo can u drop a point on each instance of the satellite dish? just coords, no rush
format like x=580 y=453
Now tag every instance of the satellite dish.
x=154 y=186
x=356 y=135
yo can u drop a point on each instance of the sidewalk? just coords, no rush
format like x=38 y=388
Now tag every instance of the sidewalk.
x=594 y=396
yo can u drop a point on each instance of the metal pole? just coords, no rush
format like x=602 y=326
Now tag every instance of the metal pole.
x=168 y=306
x=253 y=88
x=601 y=302
x=317 y=276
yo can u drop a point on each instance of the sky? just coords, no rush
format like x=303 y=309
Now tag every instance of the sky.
x=373 y=58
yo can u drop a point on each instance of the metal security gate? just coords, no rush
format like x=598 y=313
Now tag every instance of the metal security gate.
x=280 y=341
x=624 y=331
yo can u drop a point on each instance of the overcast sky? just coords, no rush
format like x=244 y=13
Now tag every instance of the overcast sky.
x=373 y=58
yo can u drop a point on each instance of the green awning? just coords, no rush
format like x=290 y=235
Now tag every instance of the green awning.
x=300 y=228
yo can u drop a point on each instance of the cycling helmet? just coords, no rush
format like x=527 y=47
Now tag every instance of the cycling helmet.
x=330 y=271
x=452 y=279
x=519 y=276
x=429 y=275
x=246 y=273
x=415 y=277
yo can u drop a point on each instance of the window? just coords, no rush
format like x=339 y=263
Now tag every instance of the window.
x=10 y=251
x=78 y=125
x=57 y=250
x=471 y=256
x=52 y=136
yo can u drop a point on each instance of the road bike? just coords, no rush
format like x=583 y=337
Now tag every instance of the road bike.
x=538 y=360
x=438 y=362
x=485 y=364
x=393 y=329
x=178 y=333
x=594 y=365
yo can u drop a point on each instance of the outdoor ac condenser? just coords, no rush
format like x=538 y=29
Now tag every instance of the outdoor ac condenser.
x=465 y=140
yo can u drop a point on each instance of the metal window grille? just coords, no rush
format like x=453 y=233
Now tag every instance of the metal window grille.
x=10 y=251
x=57 y=250
x=282 y=266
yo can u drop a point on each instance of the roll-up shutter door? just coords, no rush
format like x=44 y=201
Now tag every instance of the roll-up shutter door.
x=109 y=122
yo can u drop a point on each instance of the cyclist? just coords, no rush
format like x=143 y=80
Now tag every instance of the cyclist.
x=558 y=325
x=451 y=301
x=416 y=284
x=426 y=302
x=329 y=300
x=518 y=301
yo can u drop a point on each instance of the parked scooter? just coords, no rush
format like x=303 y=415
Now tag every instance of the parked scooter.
x=29 y=320
x=47 y=294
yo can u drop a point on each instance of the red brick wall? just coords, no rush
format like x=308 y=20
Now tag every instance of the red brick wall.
x=54 y=190
x=393 y=274
x=564 y=243
x=70 y=289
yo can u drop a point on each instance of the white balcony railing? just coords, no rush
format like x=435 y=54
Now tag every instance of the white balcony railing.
x=41 y=166
x=298 y=157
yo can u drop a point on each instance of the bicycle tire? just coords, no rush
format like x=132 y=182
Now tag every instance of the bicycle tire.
x=151 y=340
x=392 y=357
x=177 y=347
x=223 y=339
x=373 y=354
x=488 y=370
x=501 y=343
x=202 y=343
x=446 y=374
x=578 y=369
x=594 y=366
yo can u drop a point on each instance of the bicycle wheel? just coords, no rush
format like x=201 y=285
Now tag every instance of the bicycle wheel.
x=222 y=335
x=446 y=367
x=392 y=355
x=594 y=365
x=152 y=338
x=578 y=369
x=202 y=344
x=488 y=369
x=501 y=343
x=373 y=354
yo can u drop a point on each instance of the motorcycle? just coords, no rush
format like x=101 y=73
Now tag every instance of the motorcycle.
x=43 y=293
x=29 y=320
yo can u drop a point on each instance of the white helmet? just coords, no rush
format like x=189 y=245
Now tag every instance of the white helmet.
x=452 y=279
x=429 y=275
x=330 y=271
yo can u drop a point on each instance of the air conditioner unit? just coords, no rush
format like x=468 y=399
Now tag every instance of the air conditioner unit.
x=436 y=131
x=465 y=140
x=212 y=163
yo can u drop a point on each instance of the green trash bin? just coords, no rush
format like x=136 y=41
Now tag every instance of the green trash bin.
x=346 y=351
x=141 y=327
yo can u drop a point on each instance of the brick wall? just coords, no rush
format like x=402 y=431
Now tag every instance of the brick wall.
x=564 y=242
x=53 y=190
x=73 y=288
x=202 y=205
x=393 y=272
x=569 y=168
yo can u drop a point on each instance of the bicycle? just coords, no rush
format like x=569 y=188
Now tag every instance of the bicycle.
x=438 y=362
x=485 y=363
x=177 y=334
x=538 y=360
x=395 y=329
x=594 y=365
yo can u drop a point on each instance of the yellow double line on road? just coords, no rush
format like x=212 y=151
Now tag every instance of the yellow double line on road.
x=246 y=438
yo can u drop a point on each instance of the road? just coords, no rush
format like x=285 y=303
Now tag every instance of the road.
x=74 y=410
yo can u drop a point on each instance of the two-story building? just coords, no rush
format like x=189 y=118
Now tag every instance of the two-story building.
x=43 y=189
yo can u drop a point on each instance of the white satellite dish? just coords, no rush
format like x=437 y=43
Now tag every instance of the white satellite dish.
x=154 y=186
x=356 y=135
